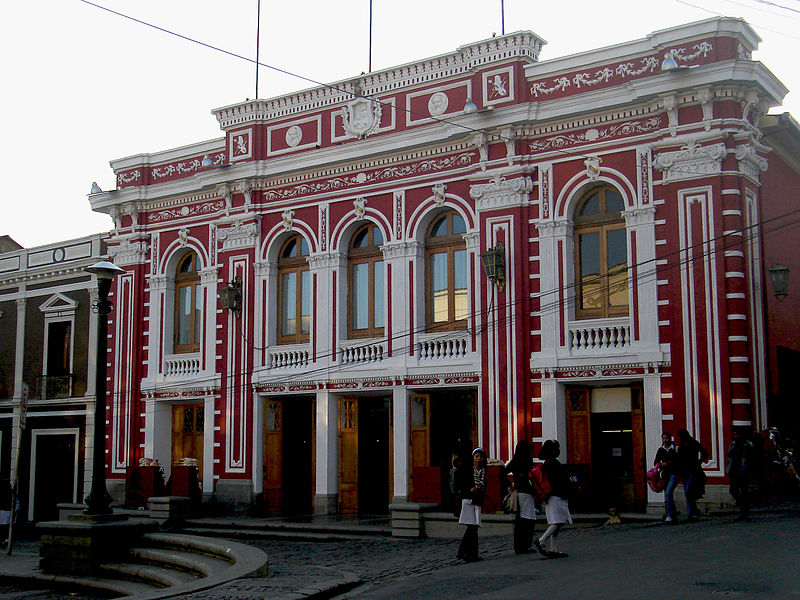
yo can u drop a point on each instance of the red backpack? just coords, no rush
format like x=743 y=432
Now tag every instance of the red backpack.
x=542 y=489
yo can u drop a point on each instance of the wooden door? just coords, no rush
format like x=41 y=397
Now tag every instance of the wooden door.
x=420 y=459
x=187 y=433
x=54 y=475
x=273 y=454
x=579 y=431
x=348 y=455
x=639 y=459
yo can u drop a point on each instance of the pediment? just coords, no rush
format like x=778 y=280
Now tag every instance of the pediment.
x=58 y=303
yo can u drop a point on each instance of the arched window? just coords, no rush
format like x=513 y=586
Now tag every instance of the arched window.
x=601 y=255
x=294 y=291
x=188 y=305
x=446 y=281
x=367 y=287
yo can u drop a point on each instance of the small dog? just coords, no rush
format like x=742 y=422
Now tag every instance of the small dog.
x=613 y=518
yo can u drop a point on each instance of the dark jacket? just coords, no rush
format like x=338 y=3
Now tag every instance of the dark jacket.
x=668 y=460
x=521 y=475
x=556 y=474
x=690 y=457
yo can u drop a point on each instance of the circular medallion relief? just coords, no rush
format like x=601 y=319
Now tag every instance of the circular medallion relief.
x=437 y=104
x=58 y=255
x=293 y=135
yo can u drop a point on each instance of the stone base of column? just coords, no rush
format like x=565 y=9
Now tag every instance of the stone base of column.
x=326 y=504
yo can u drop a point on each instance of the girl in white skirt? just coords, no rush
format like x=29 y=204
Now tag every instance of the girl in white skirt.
x=556 y=507
x=470 y=484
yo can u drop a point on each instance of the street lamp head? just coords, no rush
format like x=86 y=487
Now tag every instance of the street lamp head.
x=779 y=275
x=494 y=264
x=105 y=270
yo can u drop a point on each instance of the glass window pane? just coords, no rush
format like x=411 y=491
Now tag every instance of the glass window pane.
x=303 y=247
x=377 y=237
x=591 y=206
x=184 y=312
x=198 y=312
x=289 y=304
x=458 y=224
x=360 y=296
x=439 y=286
x=379 y=293
x=305 y=302
x=590 y=292
x=614 y=202
x=617 y=267
x=362 y=239
x=440 y=228
x=198 y=419
x=290 y=250
x=460 y=283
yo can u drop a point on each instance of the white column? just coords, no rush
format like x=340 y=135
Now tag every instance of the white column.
x=327 y=462
x=550 y=234
x=401 y=443
x=209 y=282
x=19 y=354
x=397 y=256
x=554 y=413
x=258 y=443
x=653 y=425
x=158 y=285
x=328 y=269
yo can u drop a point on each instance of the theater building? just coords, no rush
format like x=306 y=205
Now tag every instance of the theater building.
x=306 y=313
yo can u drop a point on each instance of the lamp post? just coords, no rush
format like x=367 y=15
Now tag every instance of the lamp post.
x=98 y=501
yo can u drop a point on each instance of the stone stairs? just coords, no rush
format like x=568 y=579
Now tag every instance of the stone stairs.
x=160 y=565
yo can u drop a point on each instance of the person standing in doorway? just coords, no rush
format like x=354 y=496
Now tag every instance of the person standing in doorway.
x=666 y=460
x=518 y=470
x=691 y=455
x=739 y=468
x=556 y=507
x=470 y=483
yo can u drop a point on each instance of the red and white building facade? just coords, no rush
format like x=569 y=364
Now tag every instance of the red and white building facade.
x=624 y=196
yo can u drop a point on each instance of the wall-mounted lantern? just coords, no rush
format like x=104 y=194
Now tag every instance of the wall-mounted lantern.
x=779 y=275
x=230 y=296
x=494 y=265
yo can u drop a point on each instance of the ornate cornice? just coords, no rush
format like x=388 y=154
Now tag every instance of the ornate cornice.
x=639 y=216
x=411 y=249
x=129 y=253
x=238 y=235
x=691 y=161
x=750 y=163
x=209 y=275
x=550 y=229
x=501 y=193
x=327 y=260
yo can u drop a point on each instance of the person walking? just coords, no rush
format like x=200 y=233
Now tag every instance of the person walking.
x=470 y=484
x=666 y=460
x=691 y=455
x=739 y=467
x=556 y=507
x=518 y=471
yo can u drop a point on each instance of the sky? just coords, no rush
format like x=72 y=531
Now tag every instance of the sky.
x=80 y=86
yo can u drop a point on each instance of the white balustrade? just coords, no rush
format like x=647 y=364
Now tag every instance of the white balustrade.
x=599 y=335
x=362 y=352
x=443 y=347
x=288 y=357
x=182 y=365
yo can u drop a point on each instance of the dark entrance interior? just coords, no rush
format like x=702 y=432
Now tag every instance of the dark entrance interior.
x=297 y=453
x=54 y=474
x=453 y=430
x=612 y=459
x=784 y=410
x=373 y=455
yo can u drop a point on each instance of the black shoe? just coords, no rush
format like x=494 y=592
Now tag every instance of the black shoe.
x=473 y=559
x=539 y=548
x=557 y=555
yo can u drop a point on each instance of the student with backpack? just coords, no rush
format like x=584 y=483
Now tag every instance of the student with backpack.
x=556 y=507
x=518 y=472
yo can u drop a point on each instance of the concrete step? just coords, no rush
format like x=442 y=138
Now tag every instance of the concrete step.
x=156 y=576
x=271 y=534
x=347 y=528
x=199 y=565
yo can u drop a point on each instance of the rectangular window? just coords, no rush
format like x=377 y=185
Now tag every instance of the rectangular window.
x=591 y=284
x=616 y=243
x=460 y=284
x=184 y=324
x=379 y=293
x=361 y=296
x=439 y=287
x=305 y=303
x=289 y=304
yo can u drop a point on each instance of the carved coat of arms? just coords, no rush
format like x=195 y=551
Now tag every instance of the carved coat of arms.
x=361 y=117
